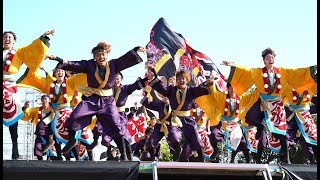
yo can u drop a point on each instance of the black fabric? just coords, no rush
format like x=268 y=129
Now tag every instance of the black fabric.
x=67 y=170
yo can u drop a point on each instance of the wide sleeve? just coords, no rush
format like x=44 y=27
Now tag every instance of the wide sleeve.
x=301 y=78
x=34 y=80
x=76 y=66
x=139 y=84
x=201 y=90
x=31 y=114
x=31 y=55
x=212 y=104
x=157 y=85
x=149 y=104
x=77 y=81
x=129 y=59
x=247 y=100
x=241 y=78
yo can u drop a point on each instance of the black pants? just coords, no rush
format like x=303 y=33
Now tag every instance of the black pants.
x=14 y=138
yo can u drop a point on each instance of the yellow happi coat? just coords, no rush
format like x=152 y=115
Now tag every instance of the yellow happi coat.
x=214 y=104
x=43 y=84
x=31 y=55
x=242 y=78
x=63 y=109
x=32 y=114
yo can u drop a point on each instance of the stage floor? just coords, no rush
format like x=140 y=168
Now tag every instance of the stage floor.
x=152 y=170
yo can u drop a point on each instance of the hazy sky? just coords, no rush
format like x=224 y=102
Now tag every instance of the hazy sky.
x=235 y=30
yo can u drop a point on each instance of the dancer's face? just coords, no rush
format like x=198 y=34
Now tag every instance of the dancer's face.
x=269 y=60
x=45 y=101
x=101 y=58
x=8 y=41
x=182 y=82
x=60 y=74
x=118 y=80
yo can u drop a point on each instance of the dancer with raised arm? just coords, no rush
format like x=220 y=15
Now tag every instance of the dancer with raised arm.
x=270 y=82
x=98 y=97
x=41 y=117
x=31 y=55
x=181 y=99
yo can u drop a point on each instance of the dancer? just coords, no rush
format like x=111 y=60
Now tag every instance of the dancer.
x=141 y=148
x=230 y=105
x=42 y=118
x=30 y=55
x=299 y=118
x=61 y=91
x=121 y=93
x=98 y=97
x=270 y=82
x=163 y=127
x=181 y=99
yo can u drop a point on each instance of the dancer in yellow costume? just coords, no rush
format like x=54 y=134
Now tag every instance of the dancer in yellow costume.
x=61 y=91
x=270 y=82
x=298 y=115
x=30 y=55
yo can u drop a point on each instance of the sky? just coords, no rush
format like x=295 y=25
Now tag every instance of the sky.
x=224 y=30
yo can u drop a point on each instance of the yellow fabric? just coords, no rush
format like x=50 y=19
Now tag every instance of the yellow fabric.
x=213 y=104
x=314 y=90
x=121 y=109
x=175 y=120
x=31 y=55
x=288 y=96
x=88 y=91
x=73 y=103
x=164 y=127
x=31 y=114
x=243 y=78
x=242 y=116
x=35 y=81
x=93 y=122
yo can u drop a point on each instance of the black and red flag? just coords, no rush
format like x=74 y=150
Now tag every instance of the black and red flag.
x=169 y=52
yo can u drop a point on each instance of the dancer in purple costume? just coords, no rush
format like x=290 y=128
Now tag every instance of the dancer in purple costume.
x=141 y=148
x=121 y=94
x=181 y=99
x=163 y=127
x=98 y=97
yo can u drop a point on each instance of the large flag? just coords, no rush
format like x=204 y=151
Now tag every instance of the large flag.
x=169 y=52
